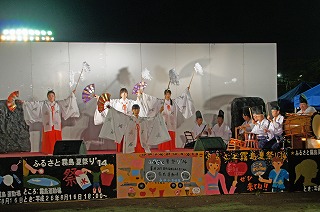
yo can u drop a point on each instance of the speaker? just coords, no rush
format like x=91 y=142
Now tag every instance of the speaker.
x=69 y=147
x=209 y=143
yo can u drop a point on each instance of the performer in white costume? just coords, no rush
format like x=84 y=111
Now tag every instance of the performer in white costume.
x=305 y=109
x=221 y=129
x=123 y=105
x=150 y=106
x=49 y=112
x=138 y=133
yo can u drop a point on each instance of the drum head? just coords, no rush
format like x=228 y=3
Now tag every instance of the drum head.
x=316 y=125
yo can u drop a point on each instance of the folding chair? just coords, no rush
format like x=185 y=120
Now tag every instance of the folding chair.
x=189 y=140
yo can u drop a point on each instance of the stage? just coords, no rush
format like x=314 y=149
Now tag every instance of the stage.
x=90 y=152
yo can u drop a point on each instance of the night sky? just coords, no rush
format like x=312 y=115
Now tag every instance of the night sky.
x=293 y=25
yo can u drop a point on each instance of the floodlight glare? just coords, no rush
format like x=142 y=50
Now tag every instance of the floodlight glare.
x=25 y=34
x=5 y=32
x=24 y=31
x=31 y=32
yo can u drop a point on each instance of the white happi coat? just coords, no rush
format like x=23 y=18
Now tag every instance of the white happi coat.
x=259 y=129
x=152 y=131
x=151 y=105
x=248 y=129
x=222 y=131
x=277 y=123
x=40 y=111
x=117 y=104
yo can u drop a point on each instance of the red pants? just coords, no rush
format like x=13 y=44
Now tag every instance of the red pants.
x=49 y=140
x=169 y=145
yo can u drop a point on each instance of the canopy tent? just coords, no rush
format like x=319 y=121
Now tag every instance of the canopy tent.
x=286 y=100
x=313 y=97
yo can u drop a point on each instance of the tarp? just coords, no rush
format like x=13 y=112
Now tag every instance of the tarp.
x=286 y=100
x=313 y=97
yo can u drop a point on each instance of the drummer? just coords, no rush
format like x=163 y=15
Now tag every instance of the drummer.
x=277 y=122
x=247 y=125
x=262 y=128
x=305 y=109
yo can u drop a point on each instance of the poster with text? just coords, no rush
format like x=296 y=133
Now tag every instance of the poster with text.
x=229 y=172
x=65 y=178
x=11 y=186
x=160 y=174
x=304 y=169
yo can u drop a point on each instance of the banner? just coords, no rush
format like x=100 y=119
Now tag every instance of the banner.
x=65 y=178
x=11 y=185
x=246 y=172
x=160 y=174
x=304 y=169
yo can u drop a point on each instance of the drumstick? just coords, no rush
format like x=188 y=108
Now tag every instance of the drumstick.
x=267 y=109
x=250 y=112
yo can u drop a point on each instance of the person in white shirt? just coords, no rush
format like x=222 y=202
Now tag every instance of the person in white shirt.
x=262 y=128
x=221 y=129
x=305 y=109
x=200 y=129
x=277 y=122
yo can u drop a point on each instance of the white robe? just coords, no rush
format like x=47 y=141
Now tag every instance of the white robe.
x=153 y=130
x=222 y=131
x=307 y=111
x=202 y=129
x=151 y=105
x=117 y=104
x=40 y=111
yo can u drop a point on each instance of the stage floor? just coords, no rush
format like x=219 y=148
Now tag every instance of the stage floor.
x=90 y=152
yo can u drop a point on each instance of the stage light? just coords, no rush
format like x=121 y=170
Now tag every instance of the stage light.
x=6 y=32
x=31 y=32
x=24 y=31
x=25 y=34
